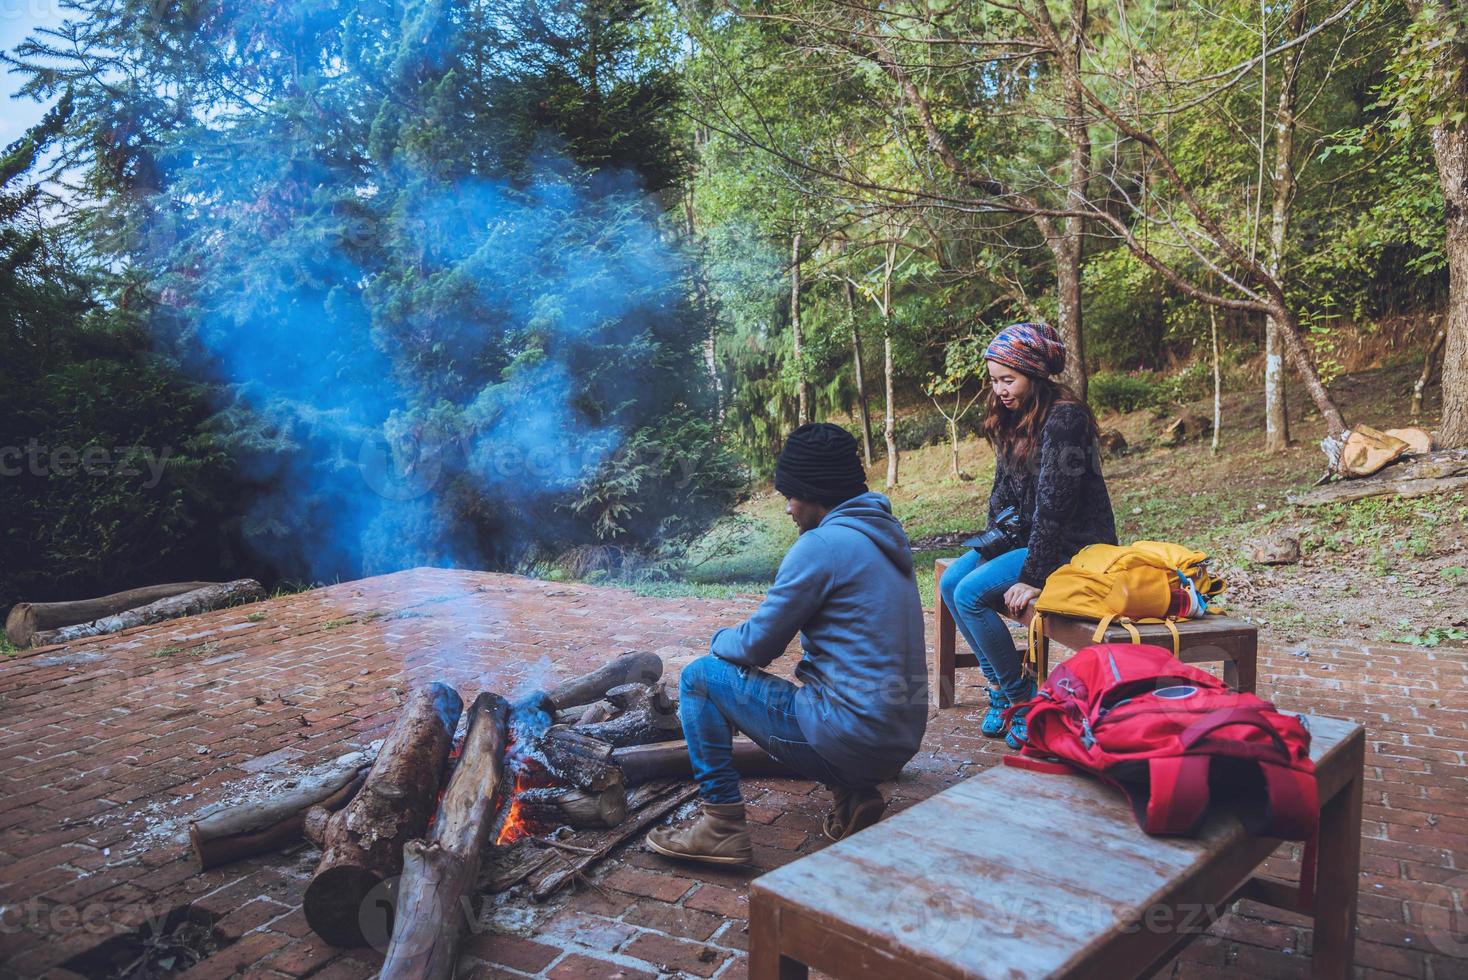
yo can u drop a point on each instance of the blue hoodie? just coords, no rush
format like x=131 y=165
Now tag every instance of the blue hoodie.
x=848 y=587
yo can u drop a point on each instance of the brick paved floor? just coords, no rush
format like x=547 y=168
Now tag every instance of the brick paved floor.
x=108 y=746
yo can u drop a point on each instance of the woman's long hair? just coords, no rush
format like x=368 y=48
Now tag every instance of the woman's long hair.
x=1015 y=433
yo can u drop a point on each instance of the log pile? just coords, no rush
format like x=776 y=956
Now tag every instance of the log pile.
x=599 y=757
x=25 y=619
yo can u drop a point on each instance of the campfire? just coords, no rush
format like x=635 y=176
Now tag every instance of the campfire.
x=599 y=757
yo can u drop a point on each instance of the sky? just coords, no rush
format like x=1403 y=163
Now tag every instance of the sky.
x=17 y=19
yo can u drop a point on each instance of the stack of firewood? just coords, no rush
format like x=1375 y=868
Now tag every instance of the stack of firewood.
x=601 y=752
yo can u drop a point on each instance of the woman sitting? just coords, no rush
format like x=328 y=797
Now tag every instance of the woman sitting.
x=1048 y=470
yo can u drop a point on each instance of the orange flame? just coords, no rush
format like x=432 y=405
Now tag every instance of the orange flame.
x=515 y=826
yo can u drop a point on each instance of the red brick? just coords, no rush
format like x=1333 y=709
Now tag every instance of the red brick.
x=248 y=918
x=664 y=887
x=727 y=902
x=580 y=967
x=674 y=920
x=303 y=957
x=502 y=949
x=676 y=954
x=234 y=959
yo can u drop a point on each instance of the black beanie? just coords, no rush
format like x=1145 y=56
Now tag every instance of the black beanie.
x=820 y=464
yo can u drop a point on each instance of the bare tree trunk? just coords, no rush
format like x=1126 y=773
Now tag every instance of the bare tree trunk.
x=1069 y=248
x=890 y=423
x=861 y=386
x=1276 y=408
x=705 y=302
x=1217 y=378
x=802 y=415
x=1299 y=355
x=953 y=441
x=1450 y=147
x=1439 y=339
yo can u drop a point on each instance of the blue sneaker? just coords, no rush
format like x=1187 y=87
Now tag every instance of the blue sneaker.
x=1019 y=732
x=993 y=725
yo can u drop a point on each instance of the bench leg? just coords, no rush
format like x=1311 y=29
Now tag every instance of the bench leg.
x=1338 y=876
x=945 y=652
x=1241 y=671
x=766 y=962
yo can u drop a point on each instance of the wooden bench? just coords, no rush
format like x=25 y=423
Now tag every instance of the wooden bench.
x=1208 y=640
x=1019 y=874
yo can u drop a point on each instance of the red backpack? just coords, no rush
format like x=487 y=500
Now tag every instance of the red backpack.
x=1172 y=737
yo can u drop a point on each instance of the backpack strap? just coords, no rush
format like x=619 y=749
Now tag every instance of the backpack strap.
x=1177 y=641
x=1224 y=717
x=1178 y=793
x=1294 y=813
x=1105 y=624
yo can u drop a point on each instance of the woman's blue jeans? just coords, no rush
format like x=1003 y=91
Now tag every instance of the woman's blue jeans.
x=716 y=697
x=973 y=589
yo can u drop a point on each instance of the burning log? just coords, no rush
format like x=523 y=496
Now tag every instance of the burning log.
x=569 y=756
x=26 y=619
x=362 y=844
x=231 y=833
x=186 y=604
x=439 y=873
x=641 y=667
x=669 y=760
x=647 y=715
x=553 y=806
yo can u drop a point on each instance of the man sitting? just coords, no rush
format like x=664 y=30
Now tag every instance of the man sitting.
x=858 y=715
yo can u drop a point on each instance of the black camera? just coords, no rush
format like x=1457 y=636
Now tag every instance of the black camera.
x=1001 y=537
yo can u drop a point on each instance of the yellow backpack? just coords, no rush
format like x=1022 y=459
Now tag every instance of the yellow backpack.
x=1111 y=583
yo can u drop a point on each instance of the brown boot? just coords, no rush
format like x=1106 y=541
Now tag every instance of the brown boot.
x=718 y=836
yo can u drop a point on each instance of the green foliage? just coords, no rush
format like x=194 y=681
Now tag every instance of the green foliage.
x=1118 y=392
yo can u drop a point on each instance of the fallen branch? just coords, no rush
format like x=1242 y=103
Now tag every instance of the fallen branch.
x=231 y=833
x=186 y=604
x=439 y=873
x=28 y=618
x=362 y=844
x=549 y=882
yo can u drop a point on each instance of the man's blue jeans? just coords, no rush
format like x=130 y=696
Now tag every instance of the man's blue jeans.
x=716 y=697
x=972 y=590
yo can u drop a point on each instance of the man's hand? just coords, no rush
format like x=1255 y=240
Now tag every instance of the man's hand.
x=1019 y=597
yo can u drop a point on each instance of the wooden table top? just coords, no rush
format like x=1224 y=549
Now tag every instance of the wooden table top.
x=1012 y=872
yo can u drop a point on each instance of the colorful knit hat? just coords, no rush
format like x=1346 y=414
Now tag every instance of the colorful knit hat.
x=1034 y=348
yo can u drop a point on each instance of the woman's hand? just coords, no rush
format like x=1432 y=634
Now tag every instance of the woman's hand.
x=1019 y=597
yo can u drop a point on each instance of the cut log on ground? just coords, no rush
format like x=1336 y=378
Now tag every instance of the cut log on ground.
x=231 y=833
x=552 y=879
x=647 y=715
x=362 y=844
x=669 y=760
x=437 y=886
x=556 y=806
x=1415 y=476
x=28 y=618
x=641 y=667
x=186 y=604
